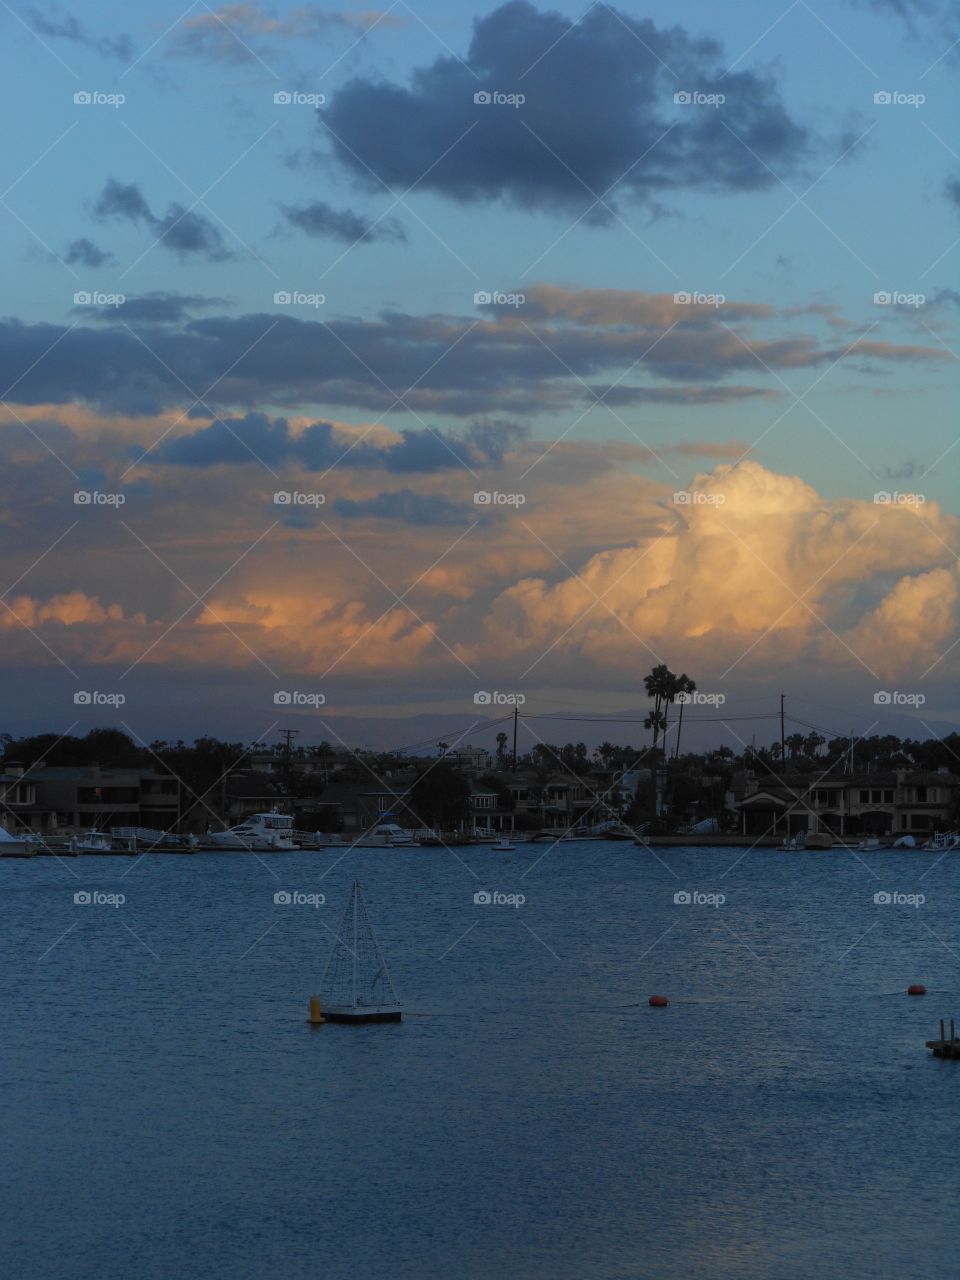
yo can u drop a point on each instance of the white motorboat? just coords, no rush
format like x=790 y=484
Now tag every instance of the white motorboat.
x=868 y=845
x=90 y=842
x=385 y=835
x=261 y=833
x=905 y=842
x=16 y=846
x=503 y=846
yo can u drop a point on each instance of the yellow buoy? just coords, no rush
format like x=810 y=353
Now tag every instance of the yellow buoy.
x=316 y=1017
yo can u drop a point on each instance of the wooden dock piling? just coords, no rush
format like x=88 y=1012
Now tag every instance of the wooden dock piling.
x=946 y=1048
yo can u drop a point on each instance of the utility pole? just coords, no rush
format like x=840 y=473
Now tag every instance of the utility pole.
x=516 y=710
x=288 y=736
x=783 y=748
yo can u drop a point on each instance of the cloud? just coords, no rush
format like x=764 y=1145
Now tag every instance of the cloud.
x=233 y=33
x=425 y=364
x=65 y=26
x=599 y=114
x=68 y=610
x=319 y=446
x=406 y=506
x=319 y=219
x=951 y=190
x=84 y=253
x=755 y=567
x=156 y=308
x=180 y=229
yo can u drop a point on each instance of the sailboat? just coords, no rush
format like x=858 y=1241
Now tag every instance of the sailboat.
x=356 y=986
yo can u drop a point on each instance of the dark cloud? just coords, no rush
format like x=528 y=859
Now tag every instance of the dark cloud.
x=64 y=26
x=321 y=446
x=599 y=112
x=319 y=219
x=406 y=506
x=180 y=230
x=427 y=365
x=155 y=308
x=84 y=253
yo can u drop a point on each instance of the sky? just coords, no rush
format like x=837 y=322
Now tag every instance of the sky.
x=397 y=362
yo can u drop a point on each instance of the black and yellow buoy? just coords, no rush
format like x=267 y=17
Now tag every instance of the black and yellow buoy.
x=316 y=1018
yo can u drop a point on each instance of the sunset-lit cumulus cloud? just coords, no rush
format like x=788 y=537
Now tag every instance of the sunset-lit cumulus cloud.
x=745 y=567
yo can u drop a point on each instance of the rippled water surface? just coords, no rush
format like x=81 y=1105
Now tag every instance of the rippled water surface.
x=168 y=1111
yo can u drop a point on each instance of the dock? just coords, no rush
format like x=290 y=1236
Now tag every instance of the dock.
x=945 y=1048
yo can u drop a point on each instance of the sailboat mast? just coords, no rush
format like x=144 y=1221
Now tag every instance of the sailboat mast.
x=356 y=895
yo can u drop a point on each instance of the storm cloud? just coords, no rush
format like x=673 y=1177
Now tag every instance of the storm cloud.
x=598 y=114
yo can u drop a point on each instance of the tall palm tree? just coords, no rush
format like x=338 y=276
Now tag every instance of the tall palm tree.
x=685 y=686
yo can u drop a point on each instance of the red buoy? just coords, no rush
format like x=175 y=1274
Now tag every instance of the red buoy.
x=916 y=989
x=659 y=1002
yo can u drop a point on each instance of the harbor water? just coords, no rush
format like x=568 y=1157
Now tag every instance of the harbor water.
x=168 y=1111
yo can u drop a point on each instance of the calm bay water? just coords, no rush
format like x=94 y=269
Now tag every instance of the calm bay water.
x=167 y=1110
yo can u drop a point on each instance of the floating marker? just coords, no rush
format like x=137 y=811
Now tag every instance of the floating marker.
x=316 y=1017
x=916 y=989
x=658 y=1002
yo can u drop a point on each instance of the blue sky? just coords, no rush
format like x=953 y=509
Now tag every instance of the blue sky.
x=798 y=199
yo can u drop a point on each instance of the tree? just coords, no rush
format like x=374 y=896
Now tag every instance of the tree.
x=684 y=686
x=440 y=797
x=501 y=749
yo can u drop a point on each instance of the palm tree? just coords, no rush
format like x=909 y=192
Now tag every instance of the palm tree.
x=501 y=748
x=684 y=686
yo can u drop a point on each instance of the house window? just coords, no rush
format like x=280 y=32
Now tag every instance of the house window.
x=888 y=797
x=864 y=797
x=875 y=797
x=921 y=795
